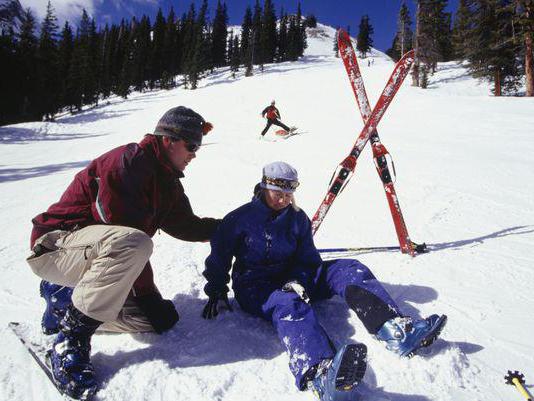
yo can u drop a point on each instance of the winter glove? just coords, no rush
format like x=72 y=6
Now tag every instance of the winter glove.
x=160 y=312
x=296 y=287
x=210 y=310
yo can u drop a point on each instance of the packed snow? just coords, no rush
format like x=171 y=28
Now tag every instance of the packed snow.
x=465 y=184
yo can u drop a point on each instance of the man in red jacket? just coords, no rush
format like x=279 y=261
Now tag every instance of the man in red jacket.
x=92 y=248
x=273 y=118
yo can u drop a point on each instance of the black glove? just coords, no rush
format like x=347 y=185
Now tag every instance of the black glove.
x=210 y=310
x=160 y=312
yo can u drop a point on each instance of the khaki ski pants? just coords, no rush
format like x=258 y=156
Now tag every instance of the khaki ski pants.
x=101 y=262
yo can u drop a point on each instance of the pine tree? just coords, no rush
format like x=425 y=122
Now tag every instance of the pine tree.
x=147 y=52
x=462 y=26
x=188 y=35
x=268 y=33
x=246 y=41
x=492 y=51
x=426 y=44
x=293 y=35
x=157 y=49
x=126 y=53
x=11 y=101
x=88 y=44
x=66 y=49
x=48 y=65
x=336 y=45
x=364 y=40
x=172 y=48
x=301 y=29
x=311 y=21
x=442 y=33
x=74 y=84
x=524 y=16
x=256 y=51
x=26 y=68
x=235 y=58
x=198 y=50
x=282 y=38
x=219 y=35
x=109 y=41
x=404 y=31
x=393 y=51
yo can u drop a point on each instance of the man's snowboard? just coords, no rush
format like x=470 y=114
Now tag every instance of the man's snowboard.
x=38 y=345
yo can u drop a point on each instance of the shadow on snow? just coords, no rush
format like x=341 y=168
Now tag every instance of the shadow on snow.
x=237 y=336
x=21 y=136
x=18 y=174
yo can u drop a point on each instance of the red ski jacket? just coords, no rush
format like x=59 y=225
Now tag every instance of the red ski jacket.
x=272 y=113
x=133 y=185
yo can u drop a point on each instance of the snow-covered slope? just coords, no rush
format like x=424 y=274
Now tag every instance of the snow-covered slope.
x=465 y=183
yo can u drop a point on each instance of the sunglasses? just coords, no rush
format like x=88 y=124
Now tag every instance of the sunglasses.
x=281 y=183
x=191 y=147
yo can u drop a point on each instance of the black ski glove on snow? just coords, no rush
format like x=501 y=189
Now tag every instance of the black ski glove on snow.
x=160 y=312
x=211 y=309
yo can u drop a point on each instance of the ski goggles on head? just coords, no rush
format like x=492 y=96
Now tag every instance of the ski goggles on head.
x=281 y=183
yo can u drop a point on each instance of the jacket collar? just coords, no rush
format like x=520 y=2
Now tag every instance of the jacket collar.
x=260 y=205
x=150 y=142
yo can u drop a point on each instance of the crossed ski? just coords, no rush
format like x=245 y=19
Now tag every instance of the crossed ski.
x=346 y=168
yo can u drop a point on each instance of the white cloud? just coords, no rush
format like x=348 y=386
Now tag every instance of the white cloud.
x=71 y=10
x=64 y=9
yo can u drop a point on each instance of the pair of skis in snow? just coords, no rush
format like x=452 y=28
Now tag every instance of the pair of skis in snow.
x=346 y=168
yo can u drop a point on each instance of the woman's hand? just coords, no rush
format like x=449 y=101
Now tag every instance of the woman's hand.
x=210 y=311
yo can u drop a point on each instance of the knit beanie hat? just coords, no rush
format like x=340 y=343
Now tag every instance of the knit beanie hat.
x=183 y=123
x=280 y=176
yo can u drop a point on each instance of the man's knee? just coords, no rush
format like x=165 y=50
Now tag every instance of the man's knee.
x=132 y=241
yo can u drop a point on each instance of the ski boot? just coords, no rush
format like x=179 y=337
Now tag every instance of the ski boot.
x=57 y=299
x=337 y=379
x=69 y=357
x=405 y=336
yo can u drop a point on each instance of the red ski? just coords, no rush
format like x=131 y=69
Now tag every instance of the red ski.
x=380 y=152
x=346 y=168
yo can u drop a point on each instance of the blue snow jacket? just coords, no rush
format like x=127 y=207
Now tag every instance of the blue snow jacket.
x=268 y=246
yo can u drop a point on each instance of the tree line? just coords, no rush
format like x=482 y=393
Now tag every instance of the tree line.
x=493 y=37
x=58 y=70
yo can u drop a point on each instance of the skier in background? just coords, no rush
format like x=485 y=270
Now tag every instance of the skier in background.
x=278 y=274
x=92 y=248
x=273 y=118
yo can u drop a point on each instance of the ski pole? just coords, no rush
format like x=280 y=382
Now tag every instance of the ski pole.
x=518 y=379
x=418 y=248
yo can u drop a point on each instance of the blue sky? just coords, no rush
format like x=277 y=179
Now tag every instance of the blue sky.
x=383 y=13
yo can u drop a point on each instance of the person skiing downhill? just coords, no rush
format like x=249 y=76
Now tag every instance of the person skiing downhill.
x=273 y=118
x=92 y=248
x=278 y=274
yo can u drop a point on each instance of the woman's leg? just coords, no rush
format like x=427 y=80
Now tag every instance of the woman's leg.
x=306 y=342
x=356 y=284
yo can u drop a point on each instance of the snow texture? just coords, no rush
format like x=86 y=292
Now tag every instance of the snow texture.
x=465 y=184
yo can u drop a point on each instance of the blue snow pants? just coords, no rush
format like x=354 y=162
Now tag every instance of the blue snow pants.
x=295 y=322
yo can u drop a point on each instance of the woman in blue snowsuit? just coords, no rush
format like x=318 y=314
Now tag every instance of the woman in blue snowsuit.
x=278 y=271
